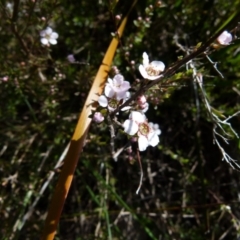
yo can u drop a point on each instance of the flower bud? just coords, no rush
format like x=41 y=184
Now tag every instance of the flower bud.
x=141 y=100
x=225 y=38
x=98 y=117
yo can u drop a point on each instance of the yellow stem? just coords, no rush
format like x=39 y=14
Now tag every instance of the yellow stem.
x=77 y=141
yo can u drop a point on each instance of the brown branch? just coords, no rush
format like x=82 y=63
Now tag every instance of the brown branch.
x=172 y=69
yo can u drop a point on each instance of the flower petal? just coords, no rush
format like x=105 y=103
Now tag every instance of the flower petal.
x=118 y=79
x=126 y=108
x=48 y=30
x=44 y=41
x=125 y=85
x=52 y=41
x=158 y=131
x=54 y=35
x=143 y=71
x=109 y=91
x=153 y=77
x=137 y=117
x=130 y=127
x=121 y=95
x=142 y=143
x=110 y=81
x=145 y=59
x=153 y=139
x=102 y=100
x=158 y=65
x=43 y=33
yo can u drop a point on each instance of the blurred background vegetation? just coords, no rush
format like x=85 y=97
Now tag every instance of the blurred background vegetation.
x=188 y=192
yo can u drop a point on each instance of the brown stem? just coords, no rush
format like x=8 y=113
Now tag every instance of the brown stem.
x=172 y=69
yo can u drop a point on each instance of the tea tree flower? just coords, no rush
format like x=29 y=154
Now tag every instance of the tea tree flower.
x=151 y=71
x=225 y=38
x=116 y=93
x=137 y=124
x=48 y=36
x=116 y=87
x=113 y=103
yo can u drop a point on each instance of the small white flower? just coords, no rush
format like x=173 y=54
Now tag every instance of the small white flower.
x=116 y=93
x=151 y=71
x=98 y=117
x=5 y=78
x=48 y=36
x=9 y=6
x=225 y=38
x=116 y=87
x=113 y=103
x=137 y=124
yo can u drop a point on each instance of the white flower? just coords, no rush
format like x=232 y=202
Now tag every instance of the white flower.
x=48 y=36
x=151 y=71
x=98 y=117
x=116 y=93
x=137 y=124
x=116 y=87
x=225 y=38
x=113 y=103
x=9 y=6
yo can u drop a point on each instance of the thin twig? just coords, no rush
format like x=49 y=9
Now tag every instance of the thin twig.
x=141 y=172
x=214 y=64
x=112 y=136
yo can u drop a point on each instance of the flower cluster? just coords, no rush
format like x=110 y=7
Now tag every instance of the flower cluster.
x=116 y=93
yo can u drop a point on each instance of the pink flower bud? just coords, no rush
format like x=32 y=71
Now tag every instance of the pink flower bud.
x=71 y=58
x=144 y=105
x=98 y=117
x=133 y=139
x=5 y=79
x=129 y=150
x=141 y=100
x=225 y=38
x=118 y=17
